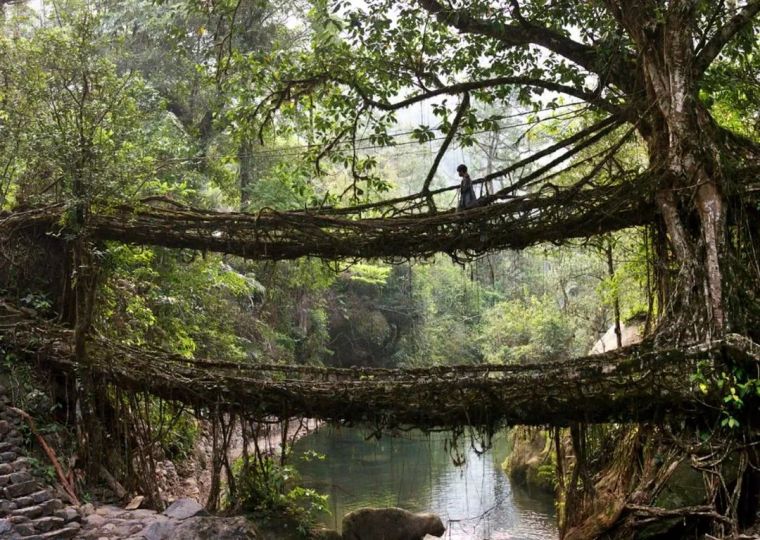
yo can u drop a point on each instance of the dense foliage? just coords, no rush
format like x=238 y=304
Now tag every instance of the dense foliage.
x=138 y=100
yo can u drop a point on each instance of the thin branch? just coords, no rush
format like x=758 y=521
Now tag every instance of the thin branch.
x=447 y=141
x=587 y=96
x=734 y=25
x=523 y=182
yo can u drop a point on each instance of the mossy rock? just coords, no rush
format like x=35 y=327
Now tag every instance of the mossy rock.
x=685 y=487
x=529 y=464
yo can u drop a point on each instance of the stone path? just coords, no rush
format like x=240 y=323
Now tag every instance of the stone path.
x=185 y=519
x=28 y=509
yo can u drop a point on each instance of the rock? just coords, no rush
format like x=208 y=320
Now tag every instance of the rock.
x=14 y=440
x=685 y=487
x=21 y=464
x=144 y=514
x=135 y=503
x=50 y=506
x=5 y=480
x=94 y=520
x=4 y=427
x=7 y=457
x=25 y=529
x=529 y=463
x=185 y=508
x=68 y=514
x=5 y=468
x=158 y=530
x=390 y=524
x=214 y=528
x=46 y=524
x=107 y=510
x=128 y=529
x=69 y=531
x=5 y=526
x=87 y=509
x=40 y=496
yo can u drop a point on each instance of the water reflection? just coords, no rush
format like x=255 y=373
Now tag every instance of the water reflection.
x=415 y=471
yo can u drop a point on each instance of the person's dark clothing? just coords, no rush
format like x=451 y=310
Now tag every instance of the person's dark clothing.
x=467 y=198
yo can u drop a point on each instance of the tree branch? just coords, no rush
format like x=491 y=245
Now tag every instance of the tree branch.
x=527 y=33
x=713 y=47
x=446 y=142
x=606 y=123
x=587 y=96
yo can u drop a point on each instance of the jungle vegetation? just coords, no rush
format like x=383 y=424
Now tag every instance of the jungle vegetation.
x=250 y=105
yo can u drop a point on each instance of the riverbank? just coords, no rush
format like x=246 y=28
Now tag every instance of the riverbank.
x=192 y=478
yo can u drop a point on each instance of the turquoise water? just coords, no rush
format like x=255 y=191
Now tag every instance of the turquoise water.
x=415 y=471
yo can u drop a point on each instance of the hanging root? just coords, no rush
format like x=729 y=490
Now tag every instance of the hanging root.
x=655 y=470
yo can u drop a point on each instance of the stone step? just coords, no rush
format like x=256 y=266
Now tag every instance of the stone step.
x=20 y=477
x=14 y=439
x=6 y=468
x=21 y=464
x=24 y=488
x=18 y=520
x=69 y=531
x=22 y=502
x=6 y=507
x=48 y=523
x=30 y=511
x=7 y=457
x=40 y=496
x=25 y=529
x=6 y=447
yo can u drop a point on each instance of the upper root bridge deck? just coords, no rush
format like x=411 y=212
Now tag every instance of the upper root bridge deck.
x=548 y=216
x=632 y=384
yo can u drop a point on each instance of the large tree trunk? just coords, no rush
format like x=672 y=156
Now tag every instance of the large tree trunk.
x=682 y=141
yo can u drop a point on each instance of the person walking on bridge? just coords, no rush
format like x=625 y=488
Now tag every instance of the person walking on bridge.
x=467 y=197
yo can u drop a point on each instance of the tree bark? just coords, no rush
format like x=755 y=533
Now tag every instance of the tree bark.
x=682 y=141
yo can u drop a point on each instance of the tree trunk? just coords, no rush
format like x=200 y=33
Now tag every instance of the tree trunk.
x=245 y=173
x=682 y=141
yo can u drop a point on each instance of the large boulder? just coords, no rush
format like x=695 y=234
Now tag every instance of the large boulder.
x=390 y=524
x=213 y=528
x=631 y=332
x=185 y=508
x=530 y=464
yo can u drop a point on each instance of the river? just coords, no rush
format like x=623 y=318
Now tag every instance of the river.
x=415 y=471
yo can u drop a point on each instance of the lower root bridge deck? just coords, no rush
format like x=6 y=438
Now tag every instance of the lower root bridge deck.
x=632 y=384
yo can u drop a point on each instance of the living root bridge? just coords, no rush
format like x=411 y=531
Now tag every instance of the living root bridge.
x=627 y=385
x=548 y=216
